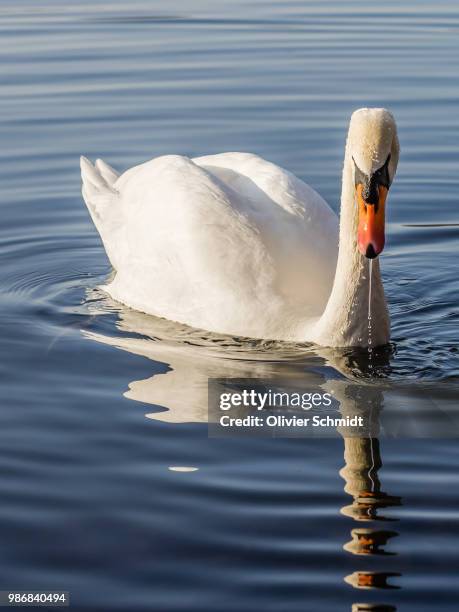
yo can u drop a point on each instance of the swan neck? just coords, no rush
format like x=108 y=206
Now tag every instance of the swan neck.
x=345 y=319
x=351 y=262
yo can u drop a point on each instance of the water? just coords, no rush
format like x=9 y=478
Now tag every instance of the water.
x=96 y=499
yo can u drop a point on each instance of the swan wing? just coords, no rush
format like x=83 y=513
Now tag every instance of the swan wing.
x=253 y=175
x=298 y=225
x=192 y=254
x=216 y=243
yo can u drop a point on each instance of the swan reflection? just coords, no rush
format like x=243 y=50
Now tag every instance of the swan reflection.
x=369 y=542
x=359 y=607
x=179 y=395
x=362 y=462
x=193 y=356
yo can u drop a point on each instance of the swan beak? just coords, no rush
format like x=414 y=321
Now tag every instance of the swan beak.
x=370 y=233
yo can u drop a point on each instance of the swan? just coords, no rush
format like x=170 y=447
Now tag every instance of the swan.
x=234 y=244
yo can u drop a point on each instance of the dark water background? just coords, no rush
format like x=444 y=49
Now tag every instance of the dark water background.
x=88 y=502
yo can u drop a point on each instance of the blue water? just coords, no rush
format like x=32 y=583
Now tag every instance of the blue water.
x=89 y=503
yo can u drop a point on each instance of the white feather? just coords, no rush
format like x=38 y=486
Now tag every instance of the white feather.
x=230 y=243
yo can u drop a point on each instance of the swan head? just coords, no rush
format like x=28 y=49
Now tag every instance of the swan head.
x=374 y=149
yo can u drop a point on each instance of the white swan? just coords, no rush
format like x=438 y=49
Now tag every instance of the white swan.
x=234 y=244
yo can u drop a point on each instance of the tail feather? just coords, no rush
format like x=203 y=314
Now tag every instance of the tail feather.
x=92 y=178
x=108 y=173
x=97 y=191
x=102 y=200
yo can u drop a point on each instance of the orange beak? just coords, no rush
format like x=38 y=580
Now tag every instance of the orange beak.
x=370 y=233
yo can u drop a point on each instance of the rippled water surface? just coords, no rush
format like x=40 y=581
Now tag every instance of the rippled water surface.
x=97 y=499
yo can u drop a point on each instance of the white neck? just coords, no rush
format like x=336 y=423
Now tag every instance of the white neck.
x=345 y=318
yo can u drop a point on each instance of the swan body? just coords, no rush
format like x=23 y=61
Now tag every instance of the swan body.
x=234 y=244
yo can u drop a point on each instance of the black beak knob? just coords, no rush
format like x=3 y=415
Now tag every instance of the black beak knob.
x=370 y=252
